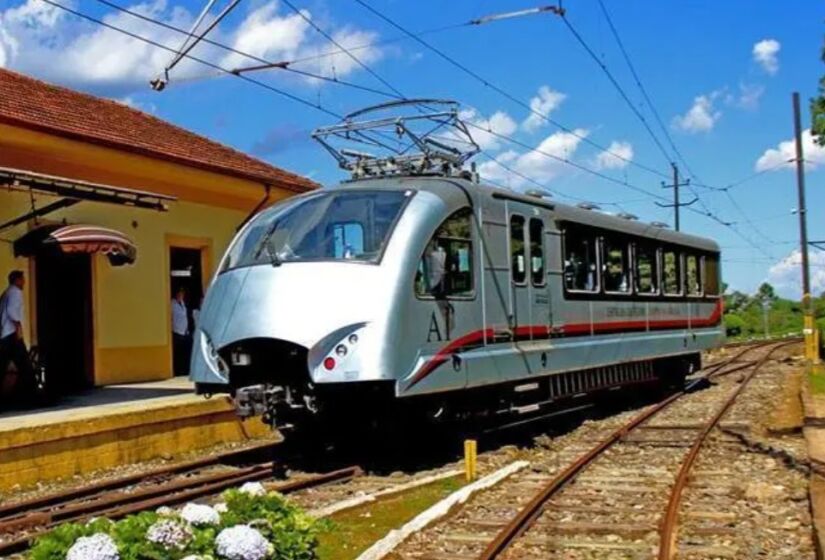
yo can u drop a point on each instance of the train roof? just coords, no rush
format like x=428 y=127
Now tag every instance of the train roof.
x=565 y=212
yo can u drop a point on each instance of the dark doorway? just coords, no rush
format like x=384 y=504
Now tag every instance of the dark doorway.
x=186 y=272
x=64 y=320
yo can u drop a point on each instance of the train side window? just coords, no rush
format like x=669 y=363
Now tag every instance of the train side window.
x=616 y=267
x=671 y=273
x=580 y=261
x=446 y=268
x=647 y=270
x=518 y=264
x=537 y=252
x=711 y=270
x=693 y=284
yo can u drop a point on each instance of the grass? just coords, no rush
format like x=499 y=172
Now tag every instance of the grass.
x=353 y=531
x=816 y=378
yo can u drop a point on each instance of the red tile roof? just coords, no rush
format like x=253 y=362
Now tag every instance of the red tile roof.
x=31 y=103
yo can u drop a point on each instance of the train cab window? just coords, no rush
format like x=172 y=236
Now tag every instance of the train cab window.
x=518 y=263
x=580 y=261
x=693 y=284
x=537 y=252
x=446 y=268
x=647 y=270
x=671 y=273
x=711 y=274
x=616 y=267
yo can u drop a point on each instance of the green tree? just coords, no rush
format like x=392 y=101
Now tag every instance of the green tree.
x=818 y=110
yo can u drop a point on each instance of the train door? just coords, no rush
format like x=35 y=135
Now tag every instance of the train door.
x=519 y=312
x=540 y=295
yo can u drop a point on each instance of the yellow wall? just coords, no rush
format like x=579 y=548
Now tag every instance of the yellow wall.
x=131 y=303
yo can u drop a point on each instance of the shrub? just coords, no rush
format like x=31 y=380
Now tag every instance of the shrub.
x=288 y=532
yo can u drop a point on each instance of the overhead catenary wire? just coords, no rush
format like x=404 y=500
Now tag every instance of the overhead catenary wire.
x=250 y=56
x=138 y=37
x=697 y=182
x=504 y=93
x=618 y=87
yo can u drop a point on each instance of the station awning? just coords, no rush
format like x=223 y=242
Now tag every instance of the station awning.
x=78 y=238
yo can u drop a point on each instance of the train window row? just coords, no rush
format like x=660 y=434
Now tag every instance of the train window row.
x=617 y=264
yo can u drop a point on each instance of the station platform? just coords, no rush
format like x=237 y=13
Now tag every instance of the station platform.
x=116 y=425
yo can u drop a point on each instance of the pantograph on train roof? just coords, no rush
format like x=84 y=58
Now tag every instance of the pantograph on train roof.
x=406 y=137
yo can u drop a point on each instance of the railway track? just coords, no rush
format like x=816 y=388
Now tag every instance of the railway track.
x=637 y=493
x=21 y=522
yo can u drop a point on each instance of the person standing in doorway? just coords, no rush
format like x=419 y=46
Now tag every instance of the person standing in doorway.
x=12 y=344
x=180 y=333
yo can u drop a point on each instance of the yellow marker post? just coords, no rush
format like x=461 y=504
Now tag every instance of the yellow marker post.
x=470 y=453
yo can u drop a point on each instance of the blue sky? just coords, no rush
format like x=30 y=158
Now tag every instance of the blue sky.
x=720 y=75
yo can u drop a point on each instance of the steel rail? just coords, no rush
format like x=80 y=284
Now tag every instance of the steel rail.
x=11 y=510
x=163 y=495
x=534 y=508
x=668 y=529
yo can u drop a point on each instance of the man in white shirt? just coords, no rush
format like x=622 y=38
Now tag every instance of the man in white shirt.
x=12 y=346
x=180 y=333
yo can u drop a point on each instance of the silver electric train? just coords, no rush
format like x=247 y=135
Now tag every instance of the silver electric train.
x=443 y=297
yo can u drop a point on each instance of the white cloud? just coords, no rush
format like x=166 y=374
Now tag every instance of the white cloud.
x=498 y=123
x=130 y=101
x=701 y=117
x=544 y=103
x=786 y=275
x=39 y=39
x=772 y=157
x=618 y=155
x=764 y=54
x=749 y=96
x=536 y=164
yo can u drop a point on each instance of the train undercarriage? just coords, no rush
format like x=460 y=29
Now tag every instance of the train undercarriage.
x=298 y=404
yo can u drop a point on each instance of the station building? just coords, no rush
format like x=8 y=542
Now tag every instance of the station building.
x=108 y=209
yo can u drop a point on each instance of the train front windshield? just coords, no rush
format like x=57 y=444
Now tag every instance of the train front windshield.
x=342 y=225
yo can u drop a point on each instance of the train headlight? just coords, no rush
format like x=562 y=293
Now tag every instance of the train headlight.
x=341 y=350
x=353 y=338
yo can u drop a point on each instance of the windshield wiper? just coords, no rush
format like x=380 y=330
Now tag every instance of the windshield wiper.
x=274 y=259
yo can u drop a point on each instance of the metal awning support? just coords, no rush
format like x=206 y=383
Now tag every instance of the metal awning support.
x=82 y=190
x=38 y=212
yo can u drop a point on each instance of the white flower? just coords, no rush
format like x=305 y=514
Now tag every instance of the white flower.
x=99 y=546
x=165 y=511
x=169 y=534
x=199 y=514
x=253 y=489
x=221 y=507
x=242 y=542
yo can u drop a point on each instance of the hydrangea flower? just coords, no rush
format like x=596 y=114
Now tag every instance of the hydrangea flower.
x=221 y=507
x=99 y=546
x=199 y=514
x=165 y=511
x=242 y=542
x=169 y=534
x=253 y=489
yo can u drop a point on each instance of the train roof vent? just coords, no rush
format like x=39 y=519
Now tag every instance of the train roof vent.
x=660 y=225
x=406 y=137
x=588 y=206
x=627 y=216
x=538 y=193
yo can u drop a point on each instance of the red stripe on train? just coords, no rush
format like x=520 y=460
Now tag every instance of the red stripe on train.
x=542 y=331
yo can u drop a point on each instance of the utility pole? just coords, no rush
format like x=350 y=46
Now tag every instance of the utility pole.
x=766 y=305
x=808 y=327
x=676 y=204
